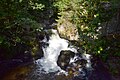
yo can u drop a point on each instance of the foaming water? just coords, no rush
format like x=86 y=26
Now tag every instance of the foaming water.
x=49 y=62
x=88 y=58
x=56 y=44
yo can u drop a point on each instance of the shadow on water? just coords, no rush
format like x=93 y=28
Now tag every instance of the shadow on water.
x=15 y=72
x=31 y=71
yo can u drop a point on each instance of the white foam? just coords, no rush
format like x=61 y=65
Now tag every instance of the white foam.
x=88 y=58
x=51 y=53
x=56 y=44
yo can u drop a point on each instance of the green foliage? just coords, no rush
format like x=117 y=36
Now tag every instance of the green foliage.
x=19 y=20
x=17 y=25
x=87 y=15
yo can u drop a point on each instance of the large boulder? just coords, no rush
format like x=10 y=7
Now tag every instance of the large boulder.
x=64 y=58
x=76 y=67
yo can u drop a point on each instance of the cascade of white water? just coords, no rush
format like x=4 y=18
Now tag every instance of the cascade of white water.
x=49 y=62
x=51 y=53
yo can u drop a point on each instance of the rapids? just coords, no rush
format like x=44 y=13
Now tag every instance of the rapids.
x=46 y=68
x=51 y=52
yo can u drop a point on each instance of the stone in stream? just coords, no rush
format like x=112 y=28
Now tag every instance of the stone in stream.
x=64 y=58
x=75 y=66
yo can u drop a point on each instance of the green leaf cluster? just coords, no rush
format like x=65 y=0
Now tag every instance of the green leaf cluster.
x=88 y=16
x=17 y=25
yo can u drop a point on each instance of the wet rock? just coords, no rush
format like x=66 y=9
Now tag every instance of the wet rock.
x=77 y=69
x=39 y=53
x=40 y=36
x=64 y=58
x=79 y=63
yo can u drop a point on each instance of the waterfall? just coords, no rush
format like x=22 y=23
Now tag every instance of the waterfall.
x=52 y=51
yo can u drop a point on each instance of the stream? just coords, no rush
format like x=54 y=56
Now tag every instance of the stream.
x=61 y=61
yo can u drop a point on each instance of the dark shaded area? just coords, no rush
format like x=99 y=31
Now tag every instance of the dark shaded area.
x=20 y=55
x=100 y=71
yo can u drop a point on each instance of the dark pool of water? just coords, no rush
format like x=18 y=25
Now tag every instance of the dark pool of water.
x=31 y=71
